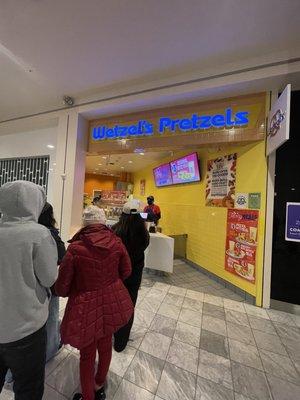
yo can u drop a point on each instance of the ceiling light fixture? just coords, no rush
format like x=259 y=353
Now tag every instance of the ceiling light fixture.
x=50 y=146
x=100 y=164
x=130 y=162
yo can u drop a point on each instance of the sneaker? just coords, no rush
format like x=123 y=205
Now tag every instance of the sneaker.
x=77 y=396
x=100 y=394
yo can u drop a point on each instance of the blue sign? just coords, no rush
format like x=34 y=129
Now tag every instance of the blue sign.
x=228 y=119
x=292 y=232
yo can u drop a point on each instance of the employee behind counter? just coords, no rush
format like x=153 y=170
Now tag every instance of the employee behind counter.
x=153 y=210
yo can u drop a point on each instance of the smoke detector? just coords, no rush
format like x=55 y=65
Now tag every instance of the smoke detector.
x=68 y=101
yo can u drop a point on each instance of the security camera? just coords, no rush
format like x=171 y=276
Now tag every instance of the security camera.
x=68 y=101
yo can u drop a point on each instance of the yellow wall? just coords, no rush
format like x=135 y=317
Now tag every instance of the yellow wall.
x=184 y=211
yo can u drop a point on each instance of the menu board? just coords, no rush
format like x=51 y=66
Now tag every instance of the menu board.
x=220 y=181
x=241 y=243
x=185 y=169
x=162 y=175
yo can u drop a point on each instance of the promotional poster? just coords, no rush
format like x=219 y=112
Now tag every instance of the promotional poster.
x=241 y=243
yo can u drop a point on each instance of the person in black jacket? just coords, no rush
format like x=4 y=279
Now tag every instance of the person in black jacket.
x=53 y=324
x=131 y=228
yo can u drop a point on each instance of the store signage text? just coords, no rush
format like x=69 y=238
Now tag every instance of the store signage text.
x=196 y=122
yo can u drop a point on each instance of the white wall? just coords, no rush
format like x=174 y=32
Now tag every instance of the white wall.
x=32 y=143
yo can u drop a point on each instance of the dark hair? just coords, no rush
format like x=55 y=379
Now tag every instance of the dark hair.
x=132 y=230
x=96 y=199
x=47 y=217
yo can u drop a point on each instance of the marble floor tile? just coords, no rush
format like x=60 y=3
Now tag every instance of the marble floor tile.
x=261 y=324
x=137 y=335
x=196 y=295
x=49 y=394
x=215 y=300
x=296 y=319
x=292 y=347
x=239 y=396
x=281 y=317
x=169 y=311
x=149 y=304
x=187 y=333
x=178 y=291
x=245 y=354
x=129 y=391
x=214 y=343
x=173 y=299
x=281 y=366
x=215 y=311
x=207 y=390
x=215 y=325
x=191 y=317
x=256 y=311
x=143 y=317
x=282 y=390
x=287 y=331
x=145 y=371
x=163 y=325
x=176 y=384
x=269 y=342
x=65 y=378
x=192 y=304
x=113 y=383
x=156 y=294
x=55 y=361
x=236 y=317
x=184 y=356
x=215 y=368
x=250 y=382
x=241 y=333
x=121 y=361
x=156 y=345
x=234 y=305
x=162 y=286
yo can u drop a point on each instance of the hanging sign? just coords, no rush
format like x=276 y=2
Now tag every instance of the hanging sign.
x=220 y=181
x=292 y=230
x=279 y=121
x=241 y=243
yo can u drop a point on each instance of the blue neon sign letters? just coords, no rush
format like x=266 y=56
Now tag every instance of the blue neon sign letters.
x=166 y=124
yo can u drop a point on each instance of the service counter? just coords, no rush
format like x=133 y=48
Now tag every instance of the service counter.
x=160 y=253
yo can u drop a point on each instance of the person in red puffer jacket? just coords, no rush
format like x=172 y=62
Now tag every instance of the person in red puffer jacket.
x=92 y=275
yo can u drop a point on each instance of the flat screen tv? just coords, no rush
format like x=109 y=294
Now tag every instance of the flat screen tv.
x=185 y=169
x=162 y=175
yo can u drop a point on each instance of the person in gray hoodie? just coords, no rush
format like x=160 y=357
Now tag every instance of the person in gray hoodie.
x=28 y=268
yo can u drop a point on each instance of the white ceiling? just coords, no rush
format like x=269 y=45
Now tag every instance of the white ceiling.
x=88 y=48
x=116 y=163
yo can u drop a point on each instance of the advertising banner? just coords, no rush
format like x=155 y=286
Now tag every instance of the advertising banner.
x=220 y=181
x=113 y=197
x=292 y=230
x=279 y=121
x=241 y=243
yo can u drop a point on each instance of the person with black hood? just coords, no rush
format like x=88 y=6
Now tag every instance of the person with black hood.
x=153 y=210
x=132 y=230
x=53 y=325
x=28 y=268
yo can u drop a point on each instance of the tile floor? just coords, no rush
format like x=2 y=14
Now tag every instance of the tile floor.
x=191 y=345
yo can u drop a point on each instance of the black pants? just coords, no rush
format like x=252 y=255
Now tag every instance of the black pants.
x=26 y=359
x=132 y=284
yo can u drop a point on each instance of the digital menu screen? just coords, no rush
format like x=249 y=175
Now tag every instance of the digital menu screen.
x=162 y=175
x=185 y=169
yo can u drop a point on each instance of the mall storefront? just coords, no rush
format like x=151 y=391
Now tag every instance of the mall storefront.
x=210 y=181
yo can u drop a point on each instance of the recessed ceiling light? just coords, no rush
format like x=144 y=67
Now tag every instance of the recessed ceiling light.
x=130 y=162
x=50 y=146
x=100 y=164
x=122 y=167
x=142 y=154
x=104 y=157
x=54 y=164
